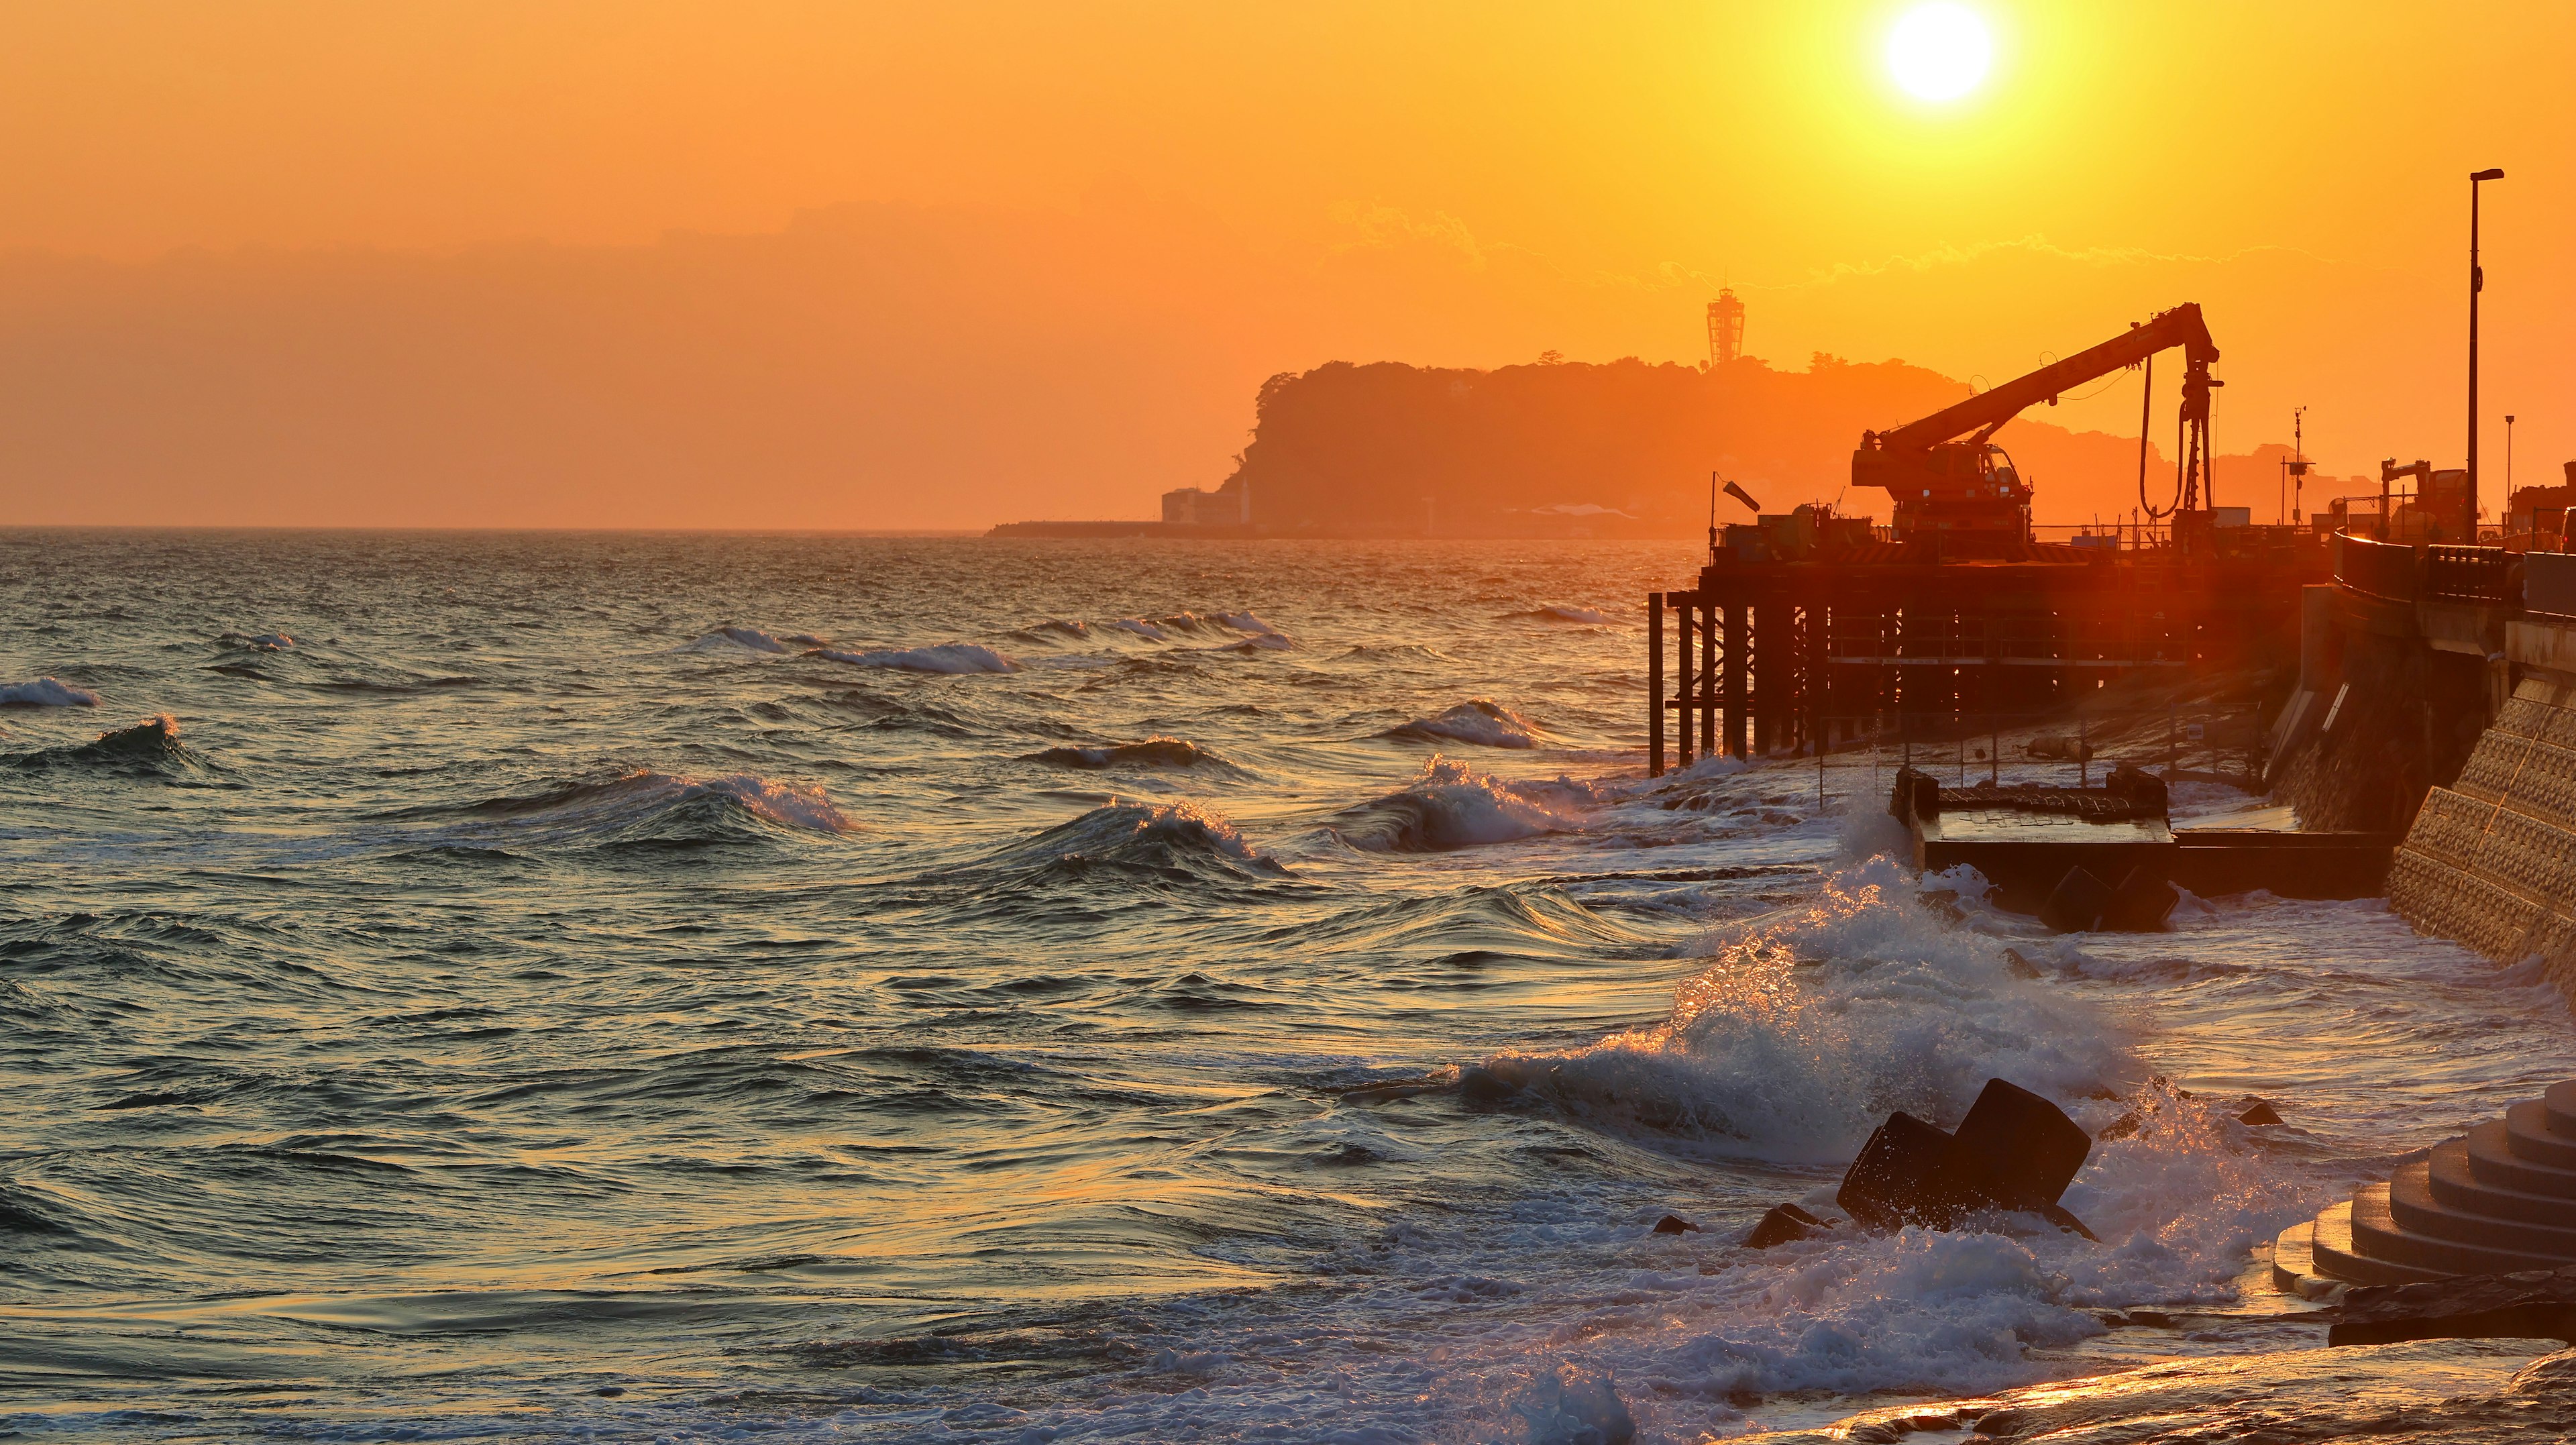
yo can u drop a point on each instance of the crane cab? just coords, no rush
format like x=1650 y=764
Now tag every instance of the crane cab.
x=1968 y=494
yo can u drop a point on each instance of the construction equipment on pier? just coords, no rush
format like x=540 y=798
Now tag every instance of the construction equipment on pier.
x=1957 y=491
x=1808 y=627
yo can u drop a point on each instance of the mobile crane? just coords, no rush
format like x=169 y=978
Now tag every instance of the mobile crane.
x=1958 y=491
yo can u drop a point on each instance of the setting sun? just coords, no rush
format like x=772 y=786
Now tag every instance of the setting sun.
x=1938 y=51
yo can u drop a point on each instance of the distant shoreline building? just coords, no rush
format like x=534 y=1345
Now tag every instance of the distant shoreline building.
x=1228 y=506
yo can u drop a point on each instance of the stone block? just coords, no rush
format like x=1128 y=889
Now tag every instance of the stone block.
x=1782 y=1224
x=2077 y=904
x=2141 y=904
x=1897 y=1178
x=2015 y=1150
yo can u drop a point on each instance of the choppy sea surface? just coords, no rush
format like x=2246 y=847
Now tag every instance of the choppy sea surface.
x=642 y=987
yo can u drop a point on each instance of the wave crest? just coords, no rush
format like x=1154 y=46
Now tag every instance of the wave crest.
x=1181 y=836
x=1559 y=612
x=1480 y=721
x=45 y=692
x=650 y=806
x=148 y=748
x=1450 y=805
x=1153 y=752
x=754 y=639
x=946 y=657
x=1809 y=1027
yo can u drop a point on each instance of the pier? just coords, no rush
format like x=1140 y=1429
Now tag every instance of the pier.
x=1862 y=638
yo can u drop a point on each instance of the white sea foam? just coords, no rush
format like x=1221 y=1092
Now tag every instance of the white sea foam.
x=1246 y=622
x=1142 y=628
x=45 y=692
x=1810 y=1025
x=1715 y=765
x=949 y=657
x=1450 y=805
x=795 y=805
x=1481 y=721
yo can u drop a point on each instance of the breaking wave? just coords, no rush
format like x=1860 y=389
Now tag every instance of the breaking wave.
x=1811 y=1025
x=647 y=806
x=947 y=657
x=1247 y=622
x=1055 y=629
x=1558 y=612
x=149 y=747
x=1449 y=805
x=1153 y=752
x=754 y=640
x=1480 y=721
x=1261 y=642
x=45 y=692
x=1180 y=836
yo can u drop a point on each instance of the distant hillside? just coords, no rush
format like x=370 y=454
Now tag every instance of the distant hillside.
x=1620 y=449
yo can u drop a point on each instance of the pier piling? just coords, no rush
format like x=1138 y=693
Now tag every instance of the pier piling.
x=1654 y=684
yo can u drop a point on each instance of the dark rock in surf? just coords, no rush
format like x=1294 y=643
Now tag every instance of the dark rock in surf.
x=1784 y=1224
x=2258 y=1113
x=1675 y=1224
x=2535 y=1304
x=1897 y=1178
x=2142 y=903
x=2015 y=1152
x=2078 y=903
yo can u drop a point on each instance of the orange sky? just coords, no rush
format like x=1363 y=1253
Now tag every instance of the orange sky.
x=835 y=264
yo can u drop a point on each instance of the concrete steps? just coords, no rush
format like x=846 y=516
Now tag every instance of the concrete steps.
x=2493 y=1162
x=2500 y=1198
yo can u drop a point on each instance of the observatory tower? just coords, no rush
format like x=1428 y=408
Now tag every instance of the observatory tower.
x=1725 y=328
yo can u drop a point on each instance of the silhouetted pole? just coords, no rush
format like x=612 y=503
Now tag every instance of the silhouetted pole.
x=1654 y=684
x=2477 y=283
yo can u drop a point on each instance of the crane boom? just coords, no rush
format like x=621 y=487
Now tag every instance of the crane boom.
x=1957 y=490
x=1989 y=410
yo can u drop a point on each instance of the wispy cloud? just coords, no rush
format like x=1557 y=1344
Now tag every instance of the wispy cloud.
x=2098 y=257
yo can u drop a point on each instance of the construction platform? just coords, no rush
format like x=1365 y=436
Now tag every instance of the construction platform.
x=1862 y=637
x=2085 y=858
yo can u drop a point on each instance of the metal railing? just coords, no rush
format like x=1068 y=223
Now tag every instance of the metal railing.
x=2480 y=575
x=2380 y=569
x=2072 y=748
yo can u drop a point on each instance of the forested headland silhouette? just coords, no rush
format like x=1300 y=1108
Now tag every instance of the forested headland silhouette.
x=1624 y=448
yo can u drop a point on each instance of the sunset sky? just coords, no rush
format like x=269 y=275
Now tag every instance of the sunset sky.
x=849 y=265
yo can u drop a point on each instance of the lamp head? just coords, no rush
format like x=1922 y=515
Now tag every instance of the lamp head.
x=2490 y=174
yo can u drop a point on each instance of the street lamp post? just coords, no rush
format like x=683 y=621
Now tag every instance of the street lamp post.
x=2477 y=283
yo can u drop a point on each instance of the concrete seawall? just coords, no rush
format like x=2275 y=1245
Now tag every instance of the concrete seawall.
x=2437 y=693
x=2491 y=860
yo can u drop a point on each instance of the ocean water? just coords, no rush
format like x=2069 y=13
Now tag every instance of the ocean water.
x=646 y=987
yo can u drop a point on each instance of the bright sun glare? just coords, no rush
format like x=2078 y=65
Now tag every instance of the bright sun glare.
x=1938 y=51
